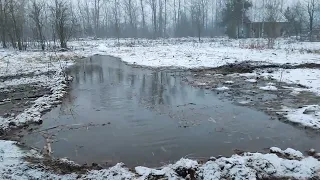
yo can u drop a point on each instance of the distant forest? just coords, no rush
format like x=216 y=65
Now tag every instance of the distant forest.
x=61 y=20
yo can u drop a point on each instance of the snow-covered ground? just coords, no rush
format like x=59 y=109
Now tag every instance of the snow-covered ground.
x=269 y=88
x=21 y=63
x=199 y=55
x=309 y=115
x=20 y=68
x=188 y=53
x=306 y=77
x=289 y=163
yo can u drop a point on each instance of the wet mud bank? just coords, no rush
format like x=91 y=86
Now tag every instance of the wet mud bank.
x=243 y=84
x=15 y=99
x=24 y=100
x=142 y=116
x=250 y=67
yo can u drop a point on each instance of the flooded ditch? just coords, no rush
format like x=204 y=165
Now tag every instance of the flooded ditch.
x=118 y=113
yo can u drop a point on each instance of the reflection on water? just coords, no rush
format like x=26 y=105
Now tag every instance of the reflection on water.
x=117 y=113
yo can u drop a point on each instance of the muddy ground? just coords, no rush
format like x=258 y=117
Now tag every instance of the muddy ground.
x=15 y=99
x=244 y=93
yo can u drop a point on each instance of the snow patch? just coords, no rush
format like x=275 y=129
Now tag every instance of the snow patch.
x=118 y=172
x=251 y=80
x=293 y=153
x=186 y=163
x=244 y=102
x=269 y=88
x=228 y=82
x=308 y=116
x=289 y=152
x=276 y=150
x=102 y=48
x=306 y=77
x=13 y=166
x=223 y=88
x=26 y=80
x=200 y=84
x=265 y=165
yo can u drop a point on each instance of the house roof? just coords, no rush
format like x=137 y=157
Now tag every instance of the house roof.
x=263 y=15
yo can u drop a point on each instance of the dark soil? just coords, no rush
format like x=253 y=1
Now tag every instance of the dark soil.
x=249 y=67
x=18 y=76
x=270 y=102
x=15 y=99
x=61 y=167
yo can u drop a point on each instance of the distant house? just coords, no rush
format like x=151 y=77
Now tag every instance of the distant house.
x=261 y=23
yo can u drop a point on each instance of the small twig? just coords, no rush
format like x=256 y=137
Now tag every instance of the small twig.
x=281 y=74
x=68 y=126
x=55 y=127
x=47 y=150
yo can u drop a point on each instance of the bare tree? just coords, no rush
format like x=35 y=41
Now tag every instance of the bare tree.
x=73 y=27
x=60 y=16
x=198 y=14
x=311 y=8
x=160 y=16
x=179 y=11
x=131 y=10
x=96 y=16
x=36 y=15
x=143 y=16
x=104 y=18
x=165 y=18
x=116 y=15
x=296 y=18
x=85 y=15
x=16 y=9
x=174 y=14
x=300 y=17
x=3 y=22
x=178 y=22
x=272 y=16
x=153 y=5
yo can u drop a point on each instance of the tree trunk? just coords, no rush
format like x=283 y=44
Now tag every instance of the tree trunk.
x=165 y=18
x=96 y=17
x=311 y=28
x=16 y=27
x=199 y=33
x=3 y=25
x=154 y=10
x=160 y=28
x=143 y=17
x=11 y=36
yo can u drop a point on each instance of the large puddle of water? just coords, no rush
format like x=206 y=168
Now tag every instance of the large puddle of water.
x=118 y=113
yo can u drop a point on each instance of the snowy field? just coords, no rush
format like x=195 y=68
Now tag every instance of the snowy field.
x=191 y=54
x=18 y=68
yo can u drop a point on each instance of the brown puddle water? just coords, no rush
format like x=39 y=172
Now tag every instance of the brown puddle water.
x=147 y=117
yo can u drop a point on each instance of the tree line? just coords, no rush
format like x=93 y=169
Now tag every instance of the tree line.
x=41 y=21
